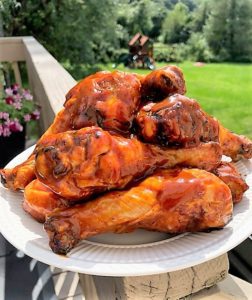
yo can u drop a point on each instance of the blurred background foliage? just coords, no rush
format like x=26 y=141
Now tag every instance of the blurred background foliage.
x=82 y=34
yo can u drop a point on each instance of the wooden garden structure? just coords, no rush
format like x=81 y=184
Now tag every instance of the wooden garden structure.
x=141 y=50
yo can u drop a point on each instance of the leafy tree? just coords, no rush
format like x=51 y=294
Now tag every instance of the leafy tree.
x=198 y=48
x=175 y=27
x=75 y=32
x=229 y=30
x=200 y=16
x=160 y=12
x=137 y=16
x=8 y=10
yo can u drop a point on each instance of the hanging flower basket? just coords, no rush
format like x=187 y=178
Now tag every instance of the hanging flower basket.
x=16 y=110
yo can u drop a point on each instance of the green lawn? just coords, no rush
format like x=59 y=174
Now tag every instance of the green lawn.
x=223 y=90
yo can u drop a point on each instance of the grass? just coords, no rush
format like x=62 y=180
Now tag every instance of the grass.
x=223 y=90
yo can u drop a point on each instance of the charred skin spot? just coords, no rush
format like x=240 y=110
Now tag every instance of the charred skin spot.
x=60 y=170
x=246 y=149
x=99 y=118
x=52 y=159
x=61 y=234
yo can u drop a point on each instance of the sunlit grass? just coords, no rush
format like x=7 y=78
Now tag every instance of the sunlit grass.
x=223 y=90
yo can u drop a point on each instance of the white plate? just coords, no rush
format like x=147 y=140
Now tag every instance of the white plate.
x=132 y=254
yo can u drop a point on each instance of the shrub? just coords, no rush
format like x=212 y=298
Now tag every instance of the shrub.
x=170 y=53
x=199 y=49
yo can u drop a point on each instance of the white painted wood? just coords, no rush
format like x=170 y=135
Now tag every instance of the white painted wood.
x=173 y=285
x=48 y=79
x=11 y=49
x=66 y=285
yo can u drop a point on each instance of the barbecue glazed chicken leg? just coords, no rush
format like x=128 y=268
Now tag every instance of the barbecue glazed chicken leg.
x=105 y=99
x=77 y=164
x=162 y=83
x=18 y=177
x=228 y=174
x=176 y=121
x=180 y=121
x=114 y=101
x=172 y=201
x=40 y=201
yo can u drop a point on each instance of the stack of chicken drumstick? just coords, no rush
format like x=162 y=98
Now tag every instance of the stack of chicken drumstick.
x=126 y=152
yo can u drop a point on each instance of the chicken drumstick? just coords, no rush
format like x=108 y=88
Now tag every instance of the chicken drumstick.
x=105 y=99
x=172 y=201
x=179 y=120
x=77 y=164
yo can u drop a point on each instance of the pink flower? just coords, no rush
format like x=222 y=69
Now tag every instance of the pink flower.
x=8 y=92
x=17 y=105
x=36 y=114
x=9 y=100
x=17 y=97
x=27 y=117
x=1 y=129
x=6 y=131
x=15 y=126
x=27 y=95
x=15 y=86
x=7 y=122
x=4 y=115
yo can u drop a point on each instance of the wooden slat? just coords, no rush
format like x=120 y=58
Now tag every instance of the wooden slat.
x=17 y=75
x=11 y=49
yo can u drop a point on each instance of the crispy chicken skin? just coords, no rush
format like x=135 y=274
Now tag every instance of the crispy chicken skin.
x=172 y=201
x=177 y=120
x=112 y=100
x=77 y=164
x=228 y=173
x=162 y=83
x=109 y=100
x=39 y=200
x=18 y=177
x=234 y=145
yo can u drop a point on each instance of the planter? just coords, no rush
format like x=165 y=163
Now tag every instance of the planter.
x=11 y=146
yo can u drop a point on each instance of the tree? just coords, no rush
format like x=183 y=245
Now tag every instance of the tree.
x=137 y=16
x=228 y=30
x=175 y=27
x=76 y=32
x=200 y=16
x=8 y=10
